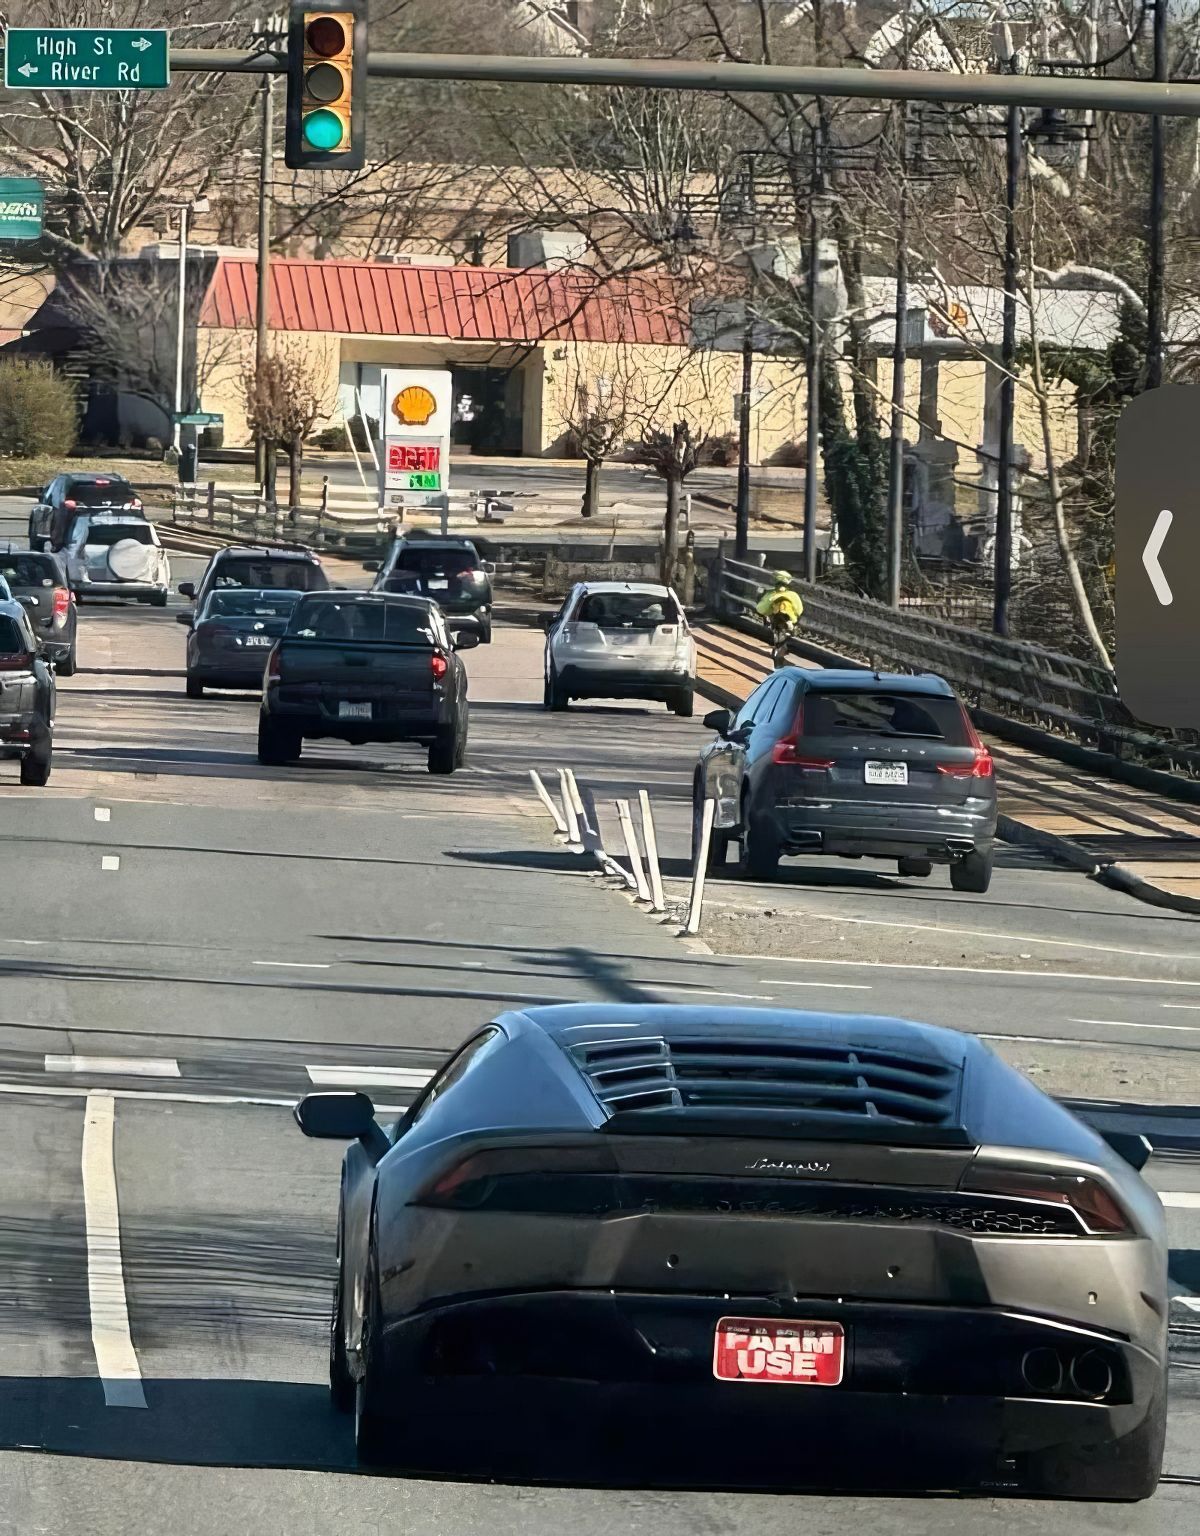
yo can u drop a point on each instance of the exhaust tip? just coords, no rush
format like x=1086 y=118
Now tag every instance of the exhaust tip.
x=1092 y=1375
x=1042 y=1370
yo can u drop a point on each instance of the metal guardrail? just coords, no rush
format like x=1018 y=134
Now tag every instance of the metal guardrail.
x=1063 y=694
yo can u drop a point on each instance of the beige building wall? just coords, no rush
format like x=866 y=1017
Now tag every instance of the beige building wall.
x=224 y=355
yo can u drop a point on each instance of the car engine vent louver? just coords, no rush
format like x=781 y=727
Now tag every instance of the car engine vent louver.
x=826 y=1088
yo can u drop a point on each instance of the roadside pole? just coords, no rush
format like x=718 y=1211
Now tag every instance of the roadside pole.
x=262 y=317
x=699 y=865
x=650 y=840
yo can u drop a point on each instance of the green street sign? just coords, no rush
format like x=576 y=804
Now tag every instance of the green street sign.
x=87 y=59
x=22 y=201
x=201 y=419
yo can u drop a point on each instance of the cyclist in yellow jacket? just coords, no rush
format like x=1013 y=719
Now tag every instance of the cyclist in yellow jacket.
x=781 y=607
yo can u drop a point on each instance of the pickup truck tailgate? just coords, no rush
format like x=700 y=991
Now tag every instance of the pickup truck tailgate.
x=385 y=681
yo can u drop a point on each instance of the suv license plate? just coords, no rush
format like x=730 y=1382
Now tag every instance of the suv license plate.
x=792 y=1354
x=347 y=711
x=260 y=640
x=886 y=773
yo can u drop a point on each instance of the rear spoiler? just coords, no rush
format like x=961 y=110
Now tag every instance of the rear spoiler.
x=785 y=1124
x=1136 y=1131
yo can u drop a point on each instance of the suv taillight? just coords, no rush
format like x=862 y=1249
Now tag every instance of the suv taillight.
x=62 y=601
x=70 y=505
x=980 y=766
x=15 y=661
x=272 y=674
x=1096 y=1208
x=438 y=665
x=785 y=750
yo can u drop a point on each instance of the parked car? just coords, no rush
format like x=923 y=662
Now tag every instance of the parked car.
x=857 y=764
x=68 y=494
x=116 y=554
x=616 y=1212
x=620 y=640
x=27 y=696
x=260 y=568
x=449 y=570
x=39 y=583
x=366 y=666
x=231 y=636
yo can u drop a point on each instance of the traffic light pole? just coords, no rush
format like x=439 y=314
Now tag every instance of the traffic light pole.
x=1155 y=255
x=262 y=314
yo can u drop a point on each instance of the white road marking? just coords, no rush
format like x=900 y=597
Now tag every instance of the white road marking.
x=1188 y=1029
x=159 y=1096
x=971 y=970
x=1094 y=1045
x=296 y=965
x=1161 y=1005
x=117 y=1066
x=110 y=861
x=1191 y=1302
x=828 y=986
x=694 y=991
x=103 y=813
x=116 y=1360
x=370 y=1077
x=1180 y=1199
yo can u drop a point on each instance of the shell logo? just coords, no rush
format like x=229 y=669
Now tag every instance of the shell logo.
x=414 y=405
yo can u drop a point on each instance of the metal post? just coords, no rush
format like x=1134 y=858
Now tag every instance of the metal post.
x=183 y=226
x=650 y=839
x=1002 y=556
x=543 y=795
x=262 y=316
x=741 y=527
x=632 y=850
x=899 y=355
x=568 y=810
x=812 y=369
x=699 y=866
x=1156 y=252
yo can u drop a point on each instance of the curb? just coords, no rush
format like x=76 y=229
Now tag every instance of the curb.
x=1009 y=830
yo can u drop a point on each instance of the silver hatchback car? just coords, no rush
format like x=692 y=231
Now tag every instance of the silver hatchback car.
x=620 y=640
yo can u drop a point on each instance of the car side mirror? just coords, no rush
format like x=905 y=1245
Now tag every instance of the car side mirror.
x=719 y=720
x=372 y=565
x=549 y=620
x=466 y=640
x=184 y=618
x=341 y=1117
x=488 y=567
x=187 y=589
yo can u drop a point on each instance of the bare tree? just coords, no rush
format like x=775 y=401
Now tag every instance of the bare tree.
x=284 y=400
x=673 y=453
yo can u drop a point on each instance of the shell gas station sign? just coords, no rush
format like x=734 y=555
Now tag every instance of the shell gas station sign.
x=414 y=459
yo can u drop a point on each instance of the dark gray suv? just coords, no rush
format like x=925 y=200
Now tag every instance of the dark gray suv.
x=882 y=765
x=39 y=584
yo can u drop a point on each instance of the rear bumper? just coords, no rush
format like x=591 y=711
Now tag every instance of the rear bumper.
x=218 y=676
x=891 y=831
x=389 y=723
x=942 y=1379
x=622 y=682
x=19 y=734
x=120 y=588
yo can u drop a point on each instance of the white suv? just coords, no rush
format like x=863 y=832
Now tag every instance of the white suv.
x=116 y=554
x=620 y=640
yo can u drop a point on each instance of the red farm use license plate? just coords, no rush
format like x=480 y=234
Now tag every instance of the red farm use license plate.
x=786 y=1353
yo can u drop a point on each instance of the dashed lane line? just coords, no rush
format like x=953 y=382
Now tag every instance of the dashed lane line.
x=369 y=1077
x=114 y=1066
x=1187 y=1029
x=116 y=1358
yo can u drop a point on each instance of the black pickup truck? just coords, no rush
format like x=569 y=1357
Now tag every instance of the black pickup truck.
x=27 y=696
x=366 y=666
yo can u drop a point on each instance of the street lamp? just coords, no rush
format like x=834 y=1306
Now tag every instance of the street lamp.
x=196 y=205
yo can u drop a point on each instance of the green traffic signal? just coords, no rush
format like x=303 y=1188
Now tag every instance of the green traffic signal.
x=323 y=129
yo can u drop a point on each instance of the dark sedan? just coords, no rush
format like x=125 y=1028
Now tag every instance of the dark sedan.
x=645 y=1215
x=874 y=764
x=38 y=582
x=27 y=696
x=231 y=636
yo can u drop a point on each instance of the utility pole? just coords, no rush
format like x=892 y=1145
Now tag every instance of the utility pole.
x=899 y=358
x=180 y=314
x=812 y=368
x=262 y=314
x=1002 y=548
x=741 y=529
x=1156 y=253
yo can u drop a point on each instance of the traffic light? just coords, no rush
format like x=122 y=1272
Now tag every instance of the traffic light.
x=327 y=80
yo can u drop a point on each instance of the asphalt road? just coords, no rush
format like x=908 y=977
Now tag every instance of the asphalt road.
x=192 y=940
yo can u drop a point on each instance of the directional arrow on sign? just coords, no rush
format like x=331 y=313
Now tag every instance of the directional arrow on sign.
x=1154 y=544
x=27 y=70
x=140 y=43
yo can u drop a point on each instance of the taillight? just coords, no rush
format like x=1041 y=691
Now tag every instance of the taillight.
x=438 y=666
x=62 y=601
x=980 y=766
x=529 y=1178
x=1095 y=1207
x=784 y=751
x=15 y=661
x=136 y=504
x=272 y=674
x=468 y=575
x=70 y=505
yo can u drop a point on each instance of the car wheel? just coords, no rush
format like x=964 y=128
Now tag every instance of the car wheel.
x=915 y=869
x=342 y=1386
x=68 y=665
x=1123 y=1471
x=973 y=872
x=277 y=744
x=558 y=695
x=195 y=688
x=35 y=766
x=373 y=1443
x=445 y=750
x=159 y=600
x=760 y=852
x=683 y=703
x=485 y=632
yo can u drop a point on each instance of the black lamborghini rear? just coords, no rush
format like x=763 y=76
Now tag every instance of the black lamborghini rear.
x=676 y=1209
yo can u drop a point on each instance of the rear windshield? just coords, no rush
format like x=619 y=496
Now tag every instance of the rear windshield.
x=99 y=493
x=626 y=610
x=29 y=571
x=434 y=561
x=886 y=714
x=335 y=619
x=273 y=575
x=12 y=641
x=107 y=534
x=245 y=603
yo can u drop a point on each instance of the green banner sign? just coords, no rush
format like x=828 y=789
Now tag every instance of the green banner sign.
x=22 y=202
x=87 y=59
x=201 y=419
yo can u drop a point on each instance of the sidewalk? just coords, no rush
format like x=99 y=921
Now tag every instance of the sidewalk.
x=1141 y=842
